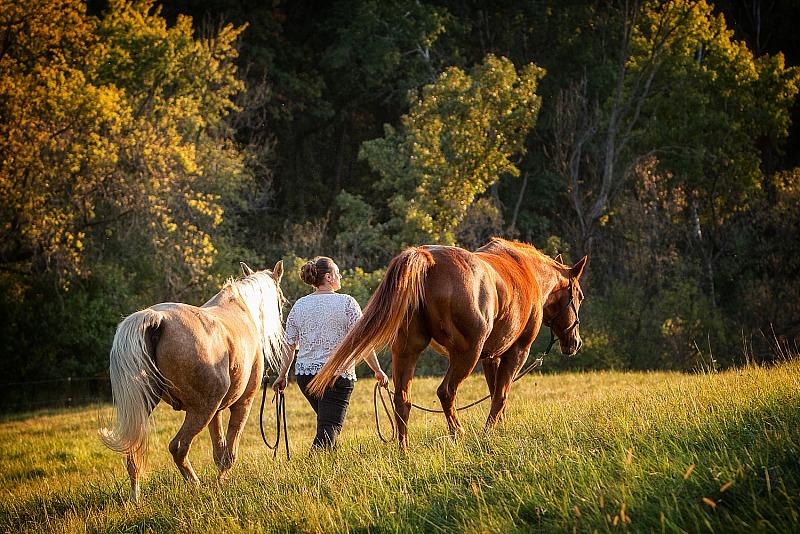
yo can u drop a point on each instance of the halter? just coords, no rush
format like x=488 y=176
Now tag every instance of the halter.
x=549 y=322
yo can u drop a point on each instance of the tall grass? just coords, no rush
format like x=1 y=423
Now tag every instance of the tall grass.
x=606 y=452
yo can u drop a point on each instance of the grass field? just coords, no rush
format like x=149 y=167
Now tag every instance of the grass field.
x=604 y=452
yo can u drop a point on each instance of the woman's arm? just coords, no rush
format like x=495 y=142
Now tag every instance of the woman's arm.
x=288 y=355
x=380 y=376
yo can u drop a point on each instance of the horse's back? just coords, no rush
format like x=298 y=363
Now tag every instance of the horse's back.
x=487 y=296
x=189 y=333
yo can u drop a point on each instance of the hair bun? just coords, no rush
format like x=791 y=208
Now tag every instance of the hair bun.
x=308 y=273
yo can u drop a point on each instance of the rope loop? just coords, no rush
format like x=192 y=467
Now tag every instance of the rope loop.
x=378 y=393
x=279 y=400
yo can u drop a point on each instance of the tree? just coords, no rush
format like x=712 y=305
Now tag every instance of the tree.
x=716 y=103
x=458 y=138
x=178 y=167
x=116 y=168
x=334 y=72
x=686 y=93
x=50 y=114
x=113 y=134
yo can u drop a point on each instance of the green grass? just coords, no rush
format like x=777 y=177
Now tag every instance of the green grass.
x=605 y=452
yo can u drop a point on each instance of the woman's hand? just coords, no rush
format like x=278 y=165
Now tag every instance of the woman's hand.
x=279 y=385
x=382 y=378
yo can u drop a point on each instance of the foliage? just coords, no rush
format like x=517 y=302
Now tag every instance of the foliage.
x=361 y=285
x=55 y=347
x=115 y=157
x=660 y=165
x=145 y=149
x=52 y=154
x=116 y=131
x=716 y=95
x=292 y=286
x=762 y=267
x=360 y=238
x=355 y=282
x=608 y=451
x=674 y=328
x=482 y=220
x=460 y=135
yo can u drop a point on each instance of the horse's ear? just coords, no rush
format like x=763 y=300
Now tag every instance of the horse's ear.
x=277 y=272
x=247 y=271
x=558 y=259
x=577 y=270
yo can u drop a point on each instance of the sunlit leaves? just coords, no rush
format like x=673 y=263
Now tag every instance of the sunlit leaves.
x=110 y=128
x=51 y=133
x=458 y=138
x=711 y=101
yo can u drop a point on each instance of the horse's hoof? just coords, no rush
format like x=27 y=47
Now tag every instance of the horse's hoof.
x=457 y=432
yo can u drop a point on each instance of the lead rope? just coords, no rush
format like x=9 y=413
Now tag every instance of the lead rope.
x=280 y=405
x=280 y=416
x=378 y=393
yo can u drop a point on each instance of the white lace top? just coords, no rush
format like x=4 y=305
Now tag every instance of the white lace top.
x=317 y=323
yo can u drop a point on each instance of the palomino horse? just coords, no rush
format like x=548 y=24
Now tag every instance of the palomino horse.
x=487 y=305
x=201 y=360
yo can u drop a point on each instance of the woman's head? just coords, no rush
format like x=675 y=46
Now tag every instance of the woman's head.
x=321 y=271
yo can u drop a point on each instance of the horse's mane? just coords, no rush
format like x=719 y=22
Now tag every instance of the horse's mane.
x=258 y=292
x=519 y=246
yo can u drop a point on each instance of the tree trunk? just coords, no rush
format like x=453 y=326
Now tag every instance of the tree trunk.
x=704 y=246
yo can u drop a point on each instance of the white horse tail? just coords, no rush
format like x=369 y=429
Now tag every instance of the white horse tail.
x=136 y=384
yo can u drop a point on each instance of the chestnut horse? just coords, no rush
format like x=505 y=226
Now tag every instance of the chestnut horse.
x=487 y=305
x=202 y=360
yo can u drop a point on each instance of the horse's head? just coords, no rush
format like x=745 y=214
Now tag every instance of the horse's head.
x=562 y=307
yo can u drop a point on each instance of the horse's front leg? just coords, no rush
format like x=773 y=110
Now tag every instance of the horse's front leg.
x=506 y=369
x=240 y=411
x=490 y=372
x=461 y=365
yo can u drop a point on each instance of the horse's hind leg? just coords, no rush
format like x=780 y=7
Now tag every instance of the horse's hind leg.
x=133 y=463
x=406 y=348
x=194 y=423
x=218 y=442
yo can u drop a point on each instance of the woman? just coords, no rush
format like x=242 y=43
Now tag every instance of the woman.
x=317 y=323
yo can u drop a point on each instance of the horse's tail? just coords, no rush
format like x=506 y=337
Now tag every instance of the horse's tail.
x=136 y=384
x=399 y=294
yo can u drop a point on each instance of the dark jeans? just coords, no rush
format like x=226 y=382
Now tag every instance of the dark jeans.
x=330 y=409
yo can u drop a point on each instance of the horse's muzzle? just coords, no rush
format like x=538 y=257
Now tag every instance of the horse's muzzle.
x=570 y=346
